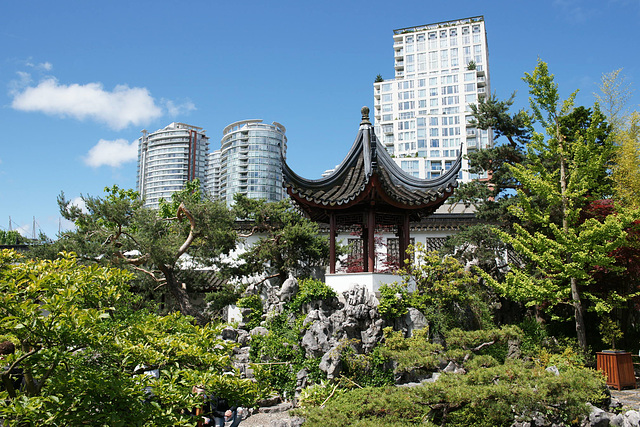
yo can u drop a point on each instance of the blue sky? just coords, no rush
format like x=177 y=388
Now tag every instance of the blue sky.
x=80 y=79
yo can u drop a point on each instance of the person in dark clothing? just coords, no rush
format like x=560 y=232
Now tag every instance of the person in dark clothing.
x=219 y=410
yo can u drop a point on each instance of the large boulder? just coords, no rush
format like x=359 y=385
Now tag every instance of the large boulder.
x=288 y=290
x=330 y=323
x=413 y=320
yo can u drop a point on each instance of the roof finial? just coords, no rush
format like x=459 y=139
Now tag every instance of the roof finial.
x=365 y=116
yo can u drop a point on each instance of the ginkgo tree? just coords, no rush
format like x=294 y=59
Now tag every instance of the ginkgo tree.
x=562 y=173
x=87 y=358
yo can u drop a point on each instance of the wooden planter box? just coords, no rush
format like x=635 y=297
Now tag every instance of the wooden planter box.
x=618 y=367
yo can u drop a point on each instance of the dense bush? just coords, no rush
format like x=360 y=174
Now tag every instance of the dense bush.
x=277 y=356
x=310 y=290
x=448 y=295
x=254 y=303
x=488 y=396
x=84 y=362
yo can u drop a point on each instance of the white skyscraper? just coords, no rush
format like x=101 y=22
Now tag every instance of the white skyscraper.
x=422 y=115
x=169 y=157
x=248 y=162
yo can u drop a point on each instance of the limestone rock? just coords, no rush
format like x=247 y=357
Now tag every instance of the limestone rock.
x=288 y=290
x=259 y=330
x=330 y=363
x=598 y=417
x=631 y=419
x=229 y=334
x=554 y=370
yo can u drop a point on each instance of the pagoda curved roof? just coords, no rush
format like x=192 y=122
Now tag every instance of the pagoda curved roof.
x=369 y=175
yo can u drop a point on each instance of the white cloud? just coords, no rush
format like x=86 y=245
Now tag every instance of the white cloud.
x=112 y=153
x=79 y=202
x=16 y=85
x=24 y=230
x=119 y=108
x=178 y=109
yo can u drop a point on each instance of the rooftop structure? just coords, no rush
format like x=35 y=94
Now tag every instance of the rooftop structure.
x=369 y=190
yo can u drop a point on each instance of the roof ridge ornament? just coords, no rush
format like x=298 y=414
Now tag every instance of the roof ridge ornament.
x=365 y=116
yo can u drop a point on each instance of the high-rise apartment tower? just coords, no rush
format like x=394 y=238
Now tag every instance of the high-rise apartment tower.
x=248 y=162
x=169 y=157
x=422 y=116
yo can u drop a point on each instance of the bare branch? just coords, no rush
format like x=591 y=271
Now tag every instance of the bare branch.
x=251 y=233
x=183 y=211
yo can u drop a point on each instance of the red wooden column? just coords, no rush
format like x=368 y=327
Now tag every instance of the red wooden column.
x=332 y=243
x=371 y=243
x=404 y=239
x=365 y=246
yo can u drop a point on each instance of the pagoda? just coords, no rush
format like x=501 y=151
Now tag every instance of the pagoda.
x=369 y=191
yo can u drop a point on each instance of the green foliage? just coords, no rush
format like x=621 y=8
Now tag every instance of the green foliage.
x=447 y=294
x=534 y=336
x=568 y=360
x=11 y=237
x=310 y=290
x=418 y=353
x=226 y=294
x=254 y=303
x=413 y=353
x=368 y=370
x=291 y=243
x=395 y=299
x=610 y=332
x=626 y=173
x=84 y=350
x=115 y=226
x=562 y=170
x=318 y=393
x=488 y=396
x=277 y=355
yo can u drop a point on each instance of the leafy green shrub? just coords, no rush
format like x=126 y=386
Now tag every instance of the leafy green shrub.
x=488 y=396
x=254 y=303
x=310 y=290
x=318 y=393
x=278 y=356
x=367 y=370
x=416 y=352
x=394 y=301
x=534 y=336
x=448 y=295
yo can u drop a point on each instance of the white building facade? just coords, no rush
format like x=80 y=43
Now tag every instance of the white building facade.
x=169 y=157
x=422 y=116
x=249 y=162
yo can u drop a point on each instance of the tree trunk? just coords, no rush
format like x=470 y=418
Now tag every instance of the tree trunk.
x=579 y=314
x=575 y=294
x=180 y=296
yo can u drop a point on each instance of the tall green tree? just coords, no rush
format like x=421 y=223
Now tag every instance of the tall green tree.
x=491 y=197
x=286 y=242
x=117 y=229
x=615 y=93
x=562 y=173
